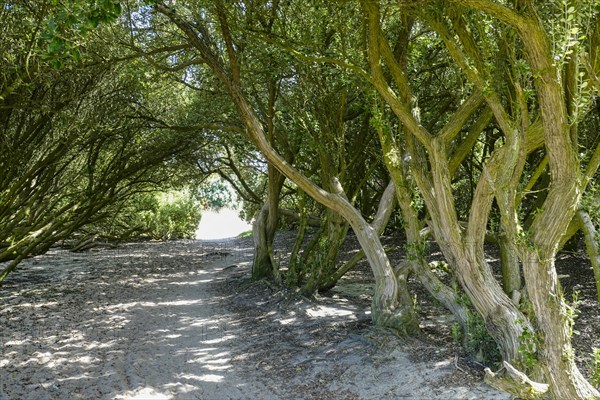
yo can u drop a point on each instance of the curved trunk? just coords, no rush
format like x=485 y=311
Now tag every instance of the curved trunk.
x=554 y=318
x=412 y=228
x=441 y=292
x=264 y=228
x=465 y=253
x=387 y=309
x=262 y=267
x=511 y=272
x=323 y=260
x=392 y=305
x=592 y=246
x=293 y=275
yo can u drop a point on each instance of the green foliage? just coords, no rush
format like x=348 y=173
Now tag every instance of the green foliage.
x=70 y=21
x=416 y=250
x=570 y=310
x=172 y=216
x=457 y=333
x=523 y=239
x=79 y=145
x=595 y=368
x=313 y=267
x=476 y=339
x=215 y=195
x=591 y=201
x=528 y=346
x=156 y=215
x=565 y=30
x=479 y=342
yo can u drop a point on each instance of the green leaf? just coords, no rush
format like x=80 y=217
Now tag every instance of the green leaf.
x=55 y=46
x=76 y=54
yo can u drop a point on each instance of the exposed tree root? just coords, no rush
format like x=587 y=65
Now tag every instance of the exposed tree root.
x=515 y=382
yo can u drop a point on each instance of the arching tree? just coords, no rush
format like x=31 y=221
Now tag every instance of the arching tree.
x=388 y=308
x=72 y=142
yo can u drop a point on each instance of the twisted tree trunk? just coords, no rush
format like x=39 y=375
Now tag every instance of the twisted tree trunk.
x=264 y=228
x=388 y=308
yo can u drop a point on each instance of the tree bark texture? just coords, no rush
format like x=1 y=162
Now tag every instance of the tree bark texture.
x=592 y=245
x=511 y=271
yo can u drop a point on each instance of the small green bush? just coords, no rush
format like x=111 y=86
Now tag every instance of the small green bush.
x=528 y=348
x=476 y=340
x=174 y=216
x=479 y=342
x=595 y=376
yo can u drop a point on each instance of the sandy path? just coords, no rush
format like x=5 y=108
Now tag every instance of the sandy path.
x=139 y=322
x=155 y=321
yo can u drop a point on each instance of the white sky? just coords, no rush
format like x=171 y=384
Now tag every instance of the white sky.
x=224 y=224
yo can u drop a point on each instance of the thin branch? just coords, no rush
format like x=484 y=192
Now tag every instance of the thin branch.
x=461 y=116
x=315 y=59
x=138 y=53
x=233 y=58
x=499 y=11
x=467 y=144
x=399 y=106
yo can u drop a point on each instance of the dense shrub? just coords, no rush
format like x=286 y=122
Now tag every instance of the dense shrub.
x=146 y=215
x=173 y=216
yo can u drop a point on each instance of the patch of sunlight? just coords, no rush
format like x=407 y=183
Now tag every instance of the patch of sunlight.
x=179 y=303
x=189 y=283
x=217 y=361
x=46 y=304
x=127 y=306
x=16 y=342
x=173 y=336
x=86 y=359
x=144 y=394
x=214 y=358
x=211 y=378
x=217 y=368
x=180 y=387
x=98 y=345
x=220 y=225
x=154 y=280
x=216 y=340
x=287 y=321
x=443 y=364
x=324 y=311
x=85 y=375
x=43 y=358
x=202 y=323
x=203 y=378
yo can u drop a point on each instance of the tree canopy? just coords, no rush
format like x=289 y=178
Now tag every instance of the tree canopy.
x=459 y=122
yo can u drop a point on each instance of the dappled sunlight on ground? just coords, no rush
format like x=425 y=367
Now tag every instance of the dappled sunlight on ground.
x=181 y=320
x=109 y=325
x=324 y=311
